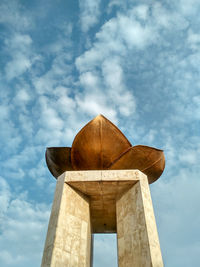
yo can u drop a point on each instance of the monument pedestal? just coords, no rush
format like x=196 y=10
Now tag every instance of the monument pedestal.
x=89 y=202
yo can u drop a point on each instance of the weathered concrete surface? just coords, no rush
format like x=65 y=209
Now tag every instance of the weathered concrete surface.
x=68 y=241
x=138 y=243
x=99 y=202
x=103 y=188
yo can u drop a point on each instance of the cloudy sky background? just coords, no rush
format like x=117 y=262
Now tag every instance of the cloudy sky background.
x=64 y=62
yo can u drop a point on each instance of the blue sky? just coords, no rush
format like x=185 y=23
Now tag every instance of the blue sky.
x=64 y=62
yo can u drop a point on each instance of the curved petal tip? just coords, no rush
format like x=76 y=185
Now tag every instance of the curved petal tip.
x=149 y=160
x=58 y=160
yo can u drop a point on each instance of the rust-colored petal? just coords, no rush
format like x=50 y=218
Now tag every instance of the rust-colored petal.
x=58 y=160
x=149 y=160
x=97 y=145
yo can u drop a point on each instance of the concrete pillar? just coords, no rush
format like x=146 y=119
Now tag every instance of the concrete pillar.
x=68 y=241
x=137 y=237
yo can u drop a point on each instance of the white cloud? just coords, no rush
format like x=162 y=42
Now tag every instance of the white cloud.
x=114 y=81
x=106 y=92
x=189 y=157
x=23 y=224
x=141 y=11
x=177 y=217
x=113 y=74
x=93 y=105
x=23 y=96
x=20 y=40
x=17 y=166
x=4 y=112
x=39 y=172
x=193 y=40
x=117 y=37
x=8 y=133
x=51 y=120
x=134 y=34
x=101 y=68
x=189 y=154
x=90 y=80
x=115 y=3
x=168 y=19
x=188 y=8
x=19 y=49
x=57 y=75
x=13 y=17
x=53 y=112
x=89 y=13
x=17 y=66
x=26 y=124
x=4 y=196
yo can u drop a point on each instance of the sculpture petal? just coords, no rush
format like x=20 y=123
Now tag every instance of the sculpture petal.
x=58 y=160
x=97 y=145
x=149 y=160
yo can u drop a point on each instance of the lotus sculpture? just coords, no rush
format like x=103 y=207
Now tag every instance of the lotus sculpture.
x=100 y=145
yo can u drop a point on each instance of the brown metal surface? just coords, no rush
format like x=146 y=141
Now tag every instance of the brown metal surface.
x=97 y=144
x=58 y=160
x=149 y=160
x=100 y=145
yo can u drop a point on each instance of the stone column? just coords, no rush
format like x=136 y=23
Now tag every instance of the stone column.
x=138 y=243
x=68 y=241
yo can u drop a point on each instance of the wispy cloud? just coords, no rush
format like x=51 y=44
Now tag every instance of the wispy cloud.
x=22 y=224
x=175 y=211
x=135 y=62
x=89 y=14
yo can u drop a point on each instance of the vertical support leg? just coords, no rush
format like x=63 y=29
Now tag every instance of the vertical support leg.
x=137 y=238
x=68 y=241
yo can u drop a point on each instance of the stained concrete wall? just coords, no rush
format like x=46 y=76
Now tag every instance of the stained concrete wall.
x=138 y=243
x=68 y=241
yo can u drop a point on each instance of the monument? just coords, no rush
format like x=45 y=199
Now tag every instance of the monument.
x=103 y=187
